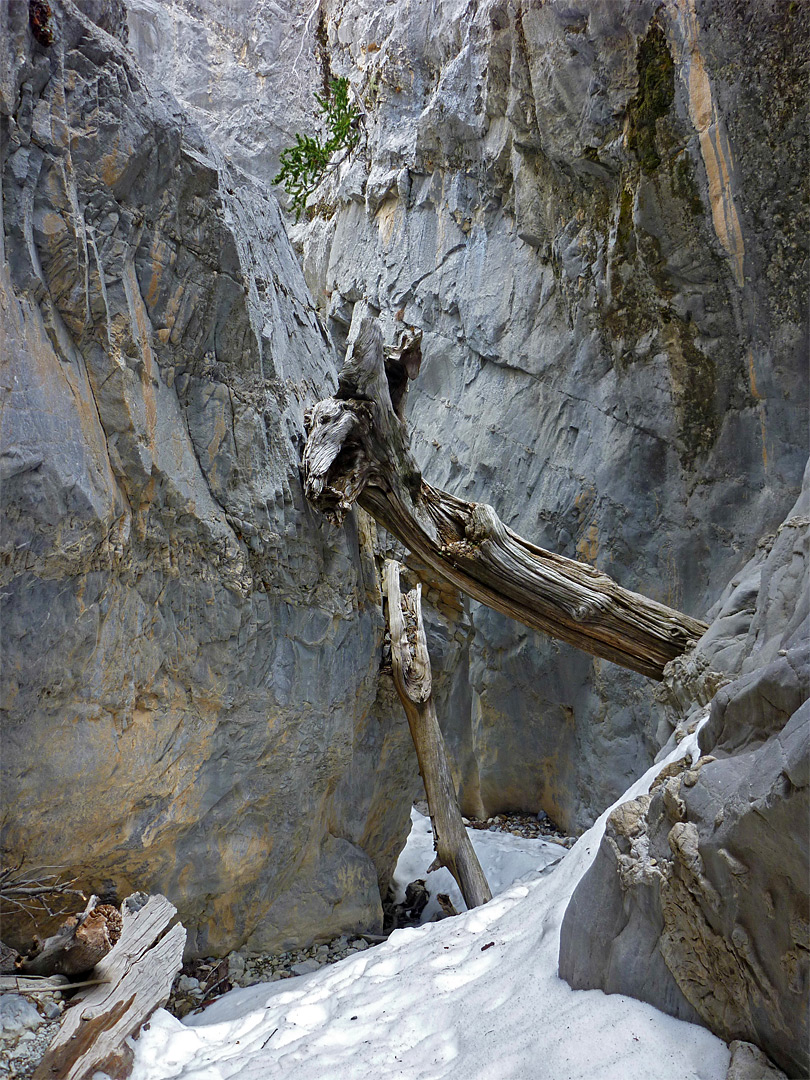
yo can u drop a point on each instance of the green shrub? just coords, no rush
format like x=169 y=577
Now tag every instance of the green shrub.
x=303 y=165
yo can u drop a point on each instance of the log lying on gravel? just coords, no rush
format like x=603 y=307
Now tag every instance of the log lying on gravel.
x=136 y=978
x=410 y=663
x=357 y=452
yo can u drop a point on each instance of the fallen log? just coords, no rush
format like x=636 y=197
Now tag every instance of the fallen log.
x=357 y=452
x=136 y=978
x=410 y=663
x=78 y=945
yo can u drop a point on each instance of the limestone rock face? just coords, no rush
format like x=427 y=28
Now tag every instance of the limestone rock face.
x=698 y=899
x=190 y=660
x=594 y=214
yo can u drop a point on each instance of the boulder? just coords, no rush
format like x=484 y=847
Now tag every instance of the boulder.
x=697 y=901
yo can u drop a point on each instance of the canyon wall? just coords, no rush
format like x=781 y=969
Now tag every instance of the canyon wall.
x=594 y=213
x=190 y=660
x=698 y=898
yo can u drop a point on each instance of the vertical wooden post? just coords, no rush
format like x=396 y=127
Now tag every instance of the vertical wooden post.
x=412 y=677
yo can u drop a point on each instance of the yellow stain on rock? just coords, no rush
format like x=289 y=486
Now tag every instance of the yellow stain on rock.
x=715 y=148
x=387 y=219
x=588 y=544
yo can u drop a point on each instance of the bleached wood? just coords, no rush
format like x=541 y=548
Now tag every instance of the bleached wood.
x=137 y=978
x=35 y=984
x=357 y=452
x=410 y=663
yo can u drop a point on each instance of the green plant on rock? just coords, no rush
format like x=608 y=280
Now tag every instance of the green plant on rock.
x=656 y=93
x=303 y=165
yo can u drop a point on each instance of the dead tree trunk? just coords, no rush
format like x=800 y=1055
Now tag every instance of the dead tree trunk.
x=78 y=945
x=133 y=980
x=357 y=452
x=412 y=677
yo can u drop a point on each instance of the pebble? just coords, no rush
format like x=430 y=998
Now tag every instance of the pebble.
x=21 y=1051
x=529 y=826
x=18 y=1013
x=305 y=967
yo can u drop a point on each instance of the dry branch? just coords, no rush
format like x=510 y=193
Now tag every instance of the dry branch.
x=410 y=663
x=357 y=452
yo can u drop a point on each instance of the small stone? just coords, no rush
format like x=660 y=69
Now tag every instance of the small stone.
x=322 y=950
x=186 y=983
x=51 y=1009
x=305 y=967
x=359 y=945
x=17 y=1013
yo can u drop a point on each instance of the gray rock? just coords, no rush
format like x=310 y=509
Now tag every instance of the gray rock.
x=182 y=641
x=305 y=967
x=51 y=1009
x=18 y=1014
x=697 y=900
x=236 y=966
x=749 y=1063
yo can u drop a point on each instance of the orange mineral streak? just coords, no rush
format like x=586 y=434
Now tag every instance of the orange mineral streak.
x=715 y=148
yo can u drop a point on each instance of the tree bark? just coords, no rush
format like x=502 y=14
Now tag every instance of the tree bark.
x=410 y=662
x=357 y=452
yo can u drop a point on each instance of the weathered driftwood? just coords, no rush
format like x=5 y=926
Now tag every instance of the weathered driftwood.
x=41 y=984
x=137 y=978
x=410 y=663
x=78 y=945
x=357 y=452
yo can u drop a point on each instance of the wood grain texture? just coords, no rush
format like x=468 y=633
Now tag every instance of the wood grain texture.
x=357 y=452
x=410 y=663
x=137 y=978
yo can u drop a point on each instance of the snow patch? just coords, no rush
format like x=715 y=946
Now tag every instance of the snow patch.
x=475 y=997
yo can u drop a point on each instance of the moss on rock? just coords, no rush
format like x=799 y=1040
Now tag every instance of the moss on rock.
x=656 y=92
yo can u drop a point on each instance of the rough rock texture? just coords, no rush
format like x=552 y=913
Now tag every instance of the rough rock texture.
x=699 y=896
x=594 y=213
x=749 y=1063
x=190 y=687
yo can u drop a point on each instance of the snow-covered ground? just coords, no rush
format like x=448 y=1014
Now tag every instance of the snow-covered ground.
x=474 y=997
x=504 y=858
